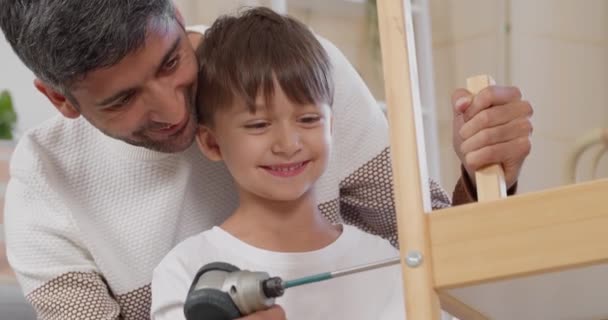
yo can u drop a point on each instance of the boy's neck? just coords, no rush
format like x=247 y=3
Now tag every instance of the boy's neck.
x=294 y=226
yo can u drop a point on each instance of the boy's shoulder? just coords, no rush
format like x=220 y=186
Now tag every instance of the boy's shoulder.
x=191 y=253
x=371 y=244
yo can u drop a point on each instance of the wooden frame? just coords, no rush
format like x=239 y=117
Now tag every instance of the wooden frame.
x=477 y=243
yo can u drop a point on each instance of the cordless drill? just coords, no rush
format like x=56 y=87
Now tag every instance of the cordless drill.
x=221 y=291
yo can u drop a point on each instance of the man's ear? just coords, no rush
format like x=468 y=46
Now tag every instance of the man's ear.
x=60 y=102
x=208 y=144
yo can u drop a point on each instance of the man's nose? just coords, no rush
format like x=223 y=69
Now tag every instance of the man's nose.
x=166 y=104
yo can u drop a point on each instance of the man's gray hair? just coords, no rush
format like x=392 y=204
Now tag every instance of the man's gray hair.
x=63 y=40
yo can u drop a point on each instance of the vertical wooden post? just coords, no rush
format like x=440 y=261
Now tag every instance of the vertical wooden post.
x=490 y=181
x=412 y=199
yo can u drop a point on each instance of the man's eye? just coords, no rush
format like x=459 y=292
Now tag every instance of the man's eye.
x=171 y=64
x=122 y=102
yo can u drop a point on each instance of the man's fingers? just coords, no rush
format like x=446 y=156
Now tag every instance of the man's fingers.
x=503 y=153
x=495 y=135
x=274 y=313
x=491 y=96
x=496 y=116
x=461 y=99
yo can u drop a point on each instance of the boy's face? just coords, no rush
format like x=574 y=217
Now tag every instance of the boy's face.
x=147 y=98
x=276 y=153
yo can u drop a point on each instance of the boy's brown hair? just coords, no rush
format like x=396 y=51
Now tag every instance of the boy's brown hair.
x=240 y=56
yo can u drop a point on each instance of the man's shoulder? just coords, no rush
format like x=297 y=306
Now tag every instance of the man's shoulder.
x=199 y=28
x=52 y=138
x=56 y=131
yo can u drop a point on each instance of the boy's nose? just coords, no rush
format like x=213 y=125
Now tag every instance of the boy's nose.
x=287 y=143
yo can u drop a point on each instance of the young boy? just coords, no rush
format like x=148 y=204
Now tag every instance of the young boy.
x=265 y=91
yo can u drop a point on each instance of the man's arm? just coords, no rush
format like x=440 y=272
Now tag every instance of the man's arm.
x=362 y=151
x=54 y=270
x=492 y=128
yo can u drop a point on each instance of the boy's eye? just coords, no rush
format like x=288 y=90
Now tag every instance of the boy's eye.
x=257 y=125
x=310 y=119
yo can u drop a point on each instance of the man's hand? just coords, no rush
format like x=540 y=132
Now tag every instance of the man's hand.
x=274 y=313
x=492 y=127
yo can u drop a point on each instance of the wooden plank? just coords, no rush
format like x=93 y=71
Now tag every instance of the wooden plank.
x=407 y=151
x=490 y=181
x=458 y=308
x=521 y=235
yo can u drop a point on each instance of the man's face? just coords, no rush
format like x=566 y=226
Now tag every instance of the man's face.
x=147 y=99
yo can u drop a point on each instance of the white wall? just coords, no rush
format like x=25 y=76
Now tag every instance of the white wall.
x=560 y=59
x=467 y=40
x=556 y=52
x=31 y=106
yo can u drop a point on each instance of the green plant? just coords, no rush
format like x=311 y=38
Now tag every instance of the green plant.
x=8 y=116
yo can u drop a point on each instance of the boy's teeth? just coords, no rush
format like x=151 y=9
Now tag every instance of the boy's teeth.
x=286 y=169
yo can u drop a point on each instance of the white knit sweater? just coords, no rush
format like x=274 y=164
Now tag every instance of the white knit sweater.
x=89 y=217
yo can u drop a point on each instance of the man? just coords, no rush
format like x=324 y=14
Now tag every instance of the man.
x=100 y=194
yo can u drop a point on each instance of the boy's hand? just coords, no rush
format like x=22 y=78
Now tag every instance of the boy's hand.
x=274 y=313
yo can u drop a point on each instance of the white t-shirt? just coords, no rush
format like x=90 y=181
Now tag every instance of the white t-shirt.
x=375 y=294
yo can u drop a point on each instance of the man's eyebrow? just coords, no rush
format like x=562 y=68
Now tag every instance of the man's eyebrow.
x=116 y=96
x=169 y=53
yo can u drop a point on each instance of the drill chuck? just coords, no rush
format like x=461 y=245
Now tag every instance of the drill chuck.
x=273 y=287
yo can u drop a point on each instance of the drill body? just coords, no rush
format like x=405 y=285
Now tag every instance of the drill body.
x=221 y=291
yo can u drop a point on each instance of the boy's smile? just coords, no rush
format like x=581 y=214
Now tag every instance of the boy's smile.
x=286 y=170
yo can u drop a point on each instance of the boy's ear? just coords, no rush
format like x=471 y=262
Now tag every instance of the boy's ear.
x=208 y=144
x=60 y=102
